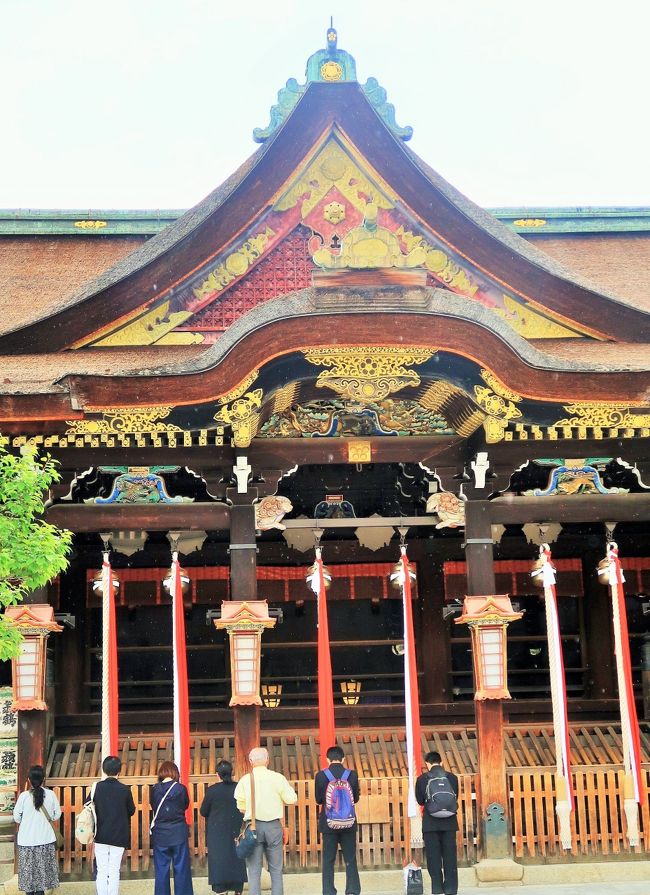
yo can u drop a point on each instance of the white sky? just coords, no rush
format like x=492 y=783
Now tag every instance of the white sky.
x=151 y=103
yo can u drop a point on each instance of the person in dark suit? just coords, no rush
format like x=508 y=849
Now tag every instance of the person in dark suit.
x=114 y=808
x=439 y=832
x=169 y=832
x=347 y=838
x=226 y=872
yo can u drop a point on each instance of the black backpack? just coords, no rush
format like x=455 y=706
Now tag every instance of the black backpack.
x=440 y=800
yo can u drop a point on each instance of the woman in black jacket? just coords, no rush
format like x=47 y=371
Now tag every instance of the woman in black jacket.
x=170 y=831
x=226 y=872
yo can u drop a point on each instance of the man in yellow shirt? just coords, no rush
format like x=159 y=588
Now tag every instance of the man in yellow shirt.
x=272 y=793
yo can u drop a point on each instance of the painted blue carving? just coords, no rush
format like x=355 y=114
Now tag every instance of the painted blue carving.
x=133 y=489
x=339 y=509
x=561 y=477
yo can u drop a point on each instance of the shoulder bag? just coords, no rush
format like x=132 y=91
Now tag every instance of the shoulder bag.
x=55 y=828
x=247 y=840
x=86 y=823
x=153 y=822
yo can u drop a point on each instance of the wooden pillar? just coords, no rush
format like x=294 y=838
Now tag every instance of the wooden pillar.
x=433 y=644
x=70 y=650
x=32 y=725
x=492 y=796
x=599 y=636
x=243 y=586
x=645 y=675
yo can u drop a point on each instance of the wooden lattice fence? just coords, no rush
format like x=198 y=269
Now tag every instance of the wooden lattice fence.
x=379 y=756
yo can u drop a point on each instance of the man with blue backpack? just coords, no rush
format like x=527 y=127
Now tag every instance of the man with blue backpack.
x=437 y=791
x=337 y=791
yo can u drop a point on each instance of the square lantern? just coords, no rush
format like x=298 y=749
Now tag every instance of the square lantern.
x=245 y=623
x=488 y=618
x=35 y=622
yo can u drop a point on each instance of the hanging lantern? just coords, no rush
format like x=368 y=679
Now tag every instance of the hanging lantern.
x=312 y=577
x=98 y=583
x=185 y=582
x=35 y=622
x=351 y=691
x=271 y=695
x=488 y=618
x=245 y=623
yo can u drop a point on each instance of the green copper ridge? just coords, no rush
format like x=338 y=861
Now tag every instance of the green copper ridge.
x=344 y=68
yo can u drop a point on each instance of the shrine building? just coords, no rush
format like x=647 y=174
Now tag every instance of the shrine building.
x=336 y=348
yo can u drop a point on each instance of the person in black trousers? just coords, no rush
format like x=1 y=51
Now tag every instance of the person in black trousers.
x=439 y=832
x=347 y=839
x=226 y=872
x=169 y=832
x=114 y=808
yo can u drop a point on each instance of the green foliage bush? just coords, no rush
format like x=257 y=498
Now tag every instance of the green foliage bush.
x=32 y=551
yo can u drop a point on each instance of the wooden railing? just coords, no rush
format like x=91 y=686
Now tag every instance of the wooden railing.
x=383 y=833
x=597 y=821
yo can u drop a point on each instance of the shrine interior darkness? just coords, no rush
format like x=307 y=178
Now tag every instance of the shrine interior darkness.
x=366 y=628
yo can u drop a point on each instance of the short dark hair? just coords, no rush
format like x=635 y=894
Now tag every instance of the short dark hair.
x=112 y=765
x=432 y=758
x=335 y=753
x=168 y=769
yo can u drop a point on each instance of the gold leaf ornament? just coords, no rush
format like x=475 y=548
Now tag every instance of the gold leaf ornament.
x=367 y=373
x=123 y=420
x=498 y=402
x=243 y=416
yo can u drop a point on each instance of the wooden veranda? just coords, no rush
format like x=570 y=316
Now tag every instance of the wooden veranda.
x=379 y=758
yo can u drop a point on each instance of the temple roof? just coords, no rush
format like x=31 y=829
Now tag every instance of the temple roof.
x=332 y=226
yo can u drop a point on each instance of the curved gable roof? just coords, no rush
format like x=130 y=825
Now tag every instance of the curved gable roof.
x=138 y=281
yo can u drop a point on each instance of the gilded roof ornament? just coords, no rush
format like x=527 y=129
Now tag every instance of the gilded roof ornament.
x=330 y=65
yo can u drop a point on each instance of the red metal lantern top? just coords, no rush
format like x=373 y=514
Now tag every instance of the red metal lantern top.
x=488 y=610
x=33 y=618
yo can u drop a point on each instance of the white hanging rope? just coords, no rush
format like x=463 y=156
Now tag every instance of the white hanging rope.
x=106 y=609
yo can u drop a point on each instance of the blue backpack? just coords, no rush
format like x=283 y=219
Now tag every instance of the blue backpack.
x=339 y=801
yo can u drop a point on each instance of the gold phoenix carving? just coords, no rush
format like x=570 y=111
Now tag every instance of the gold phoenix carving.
x=367 y=373
x=455 y=406
x=118 y=420
x=285 y=397
x=243 y=416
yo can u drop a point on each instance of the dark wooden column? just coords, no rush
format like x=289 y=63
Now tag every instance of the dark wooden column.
x=492 y=796
x=599 y=658
x=32 y=725
x=243 y=586
x=433 y=644
x=72 y=697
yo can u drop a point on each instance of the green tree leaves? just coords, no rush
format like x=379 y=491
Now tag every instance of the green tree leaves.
x=32 y=551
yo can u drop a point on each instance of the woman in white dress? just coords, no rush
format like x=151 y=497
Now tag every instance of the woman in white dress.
x=36 y=808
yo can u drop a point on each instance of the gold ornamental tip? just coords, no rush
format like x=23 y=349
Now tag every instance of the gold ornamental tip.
x=396 y=576
x=312 y=577
x=185 y=581
x=603 y=571
x=98 y=583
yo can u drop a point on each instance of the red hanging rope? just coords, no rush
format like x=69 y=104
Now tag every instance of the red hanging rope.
x=181 y=696
x=326 y=724
x=411 y=696
x=110 y=698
